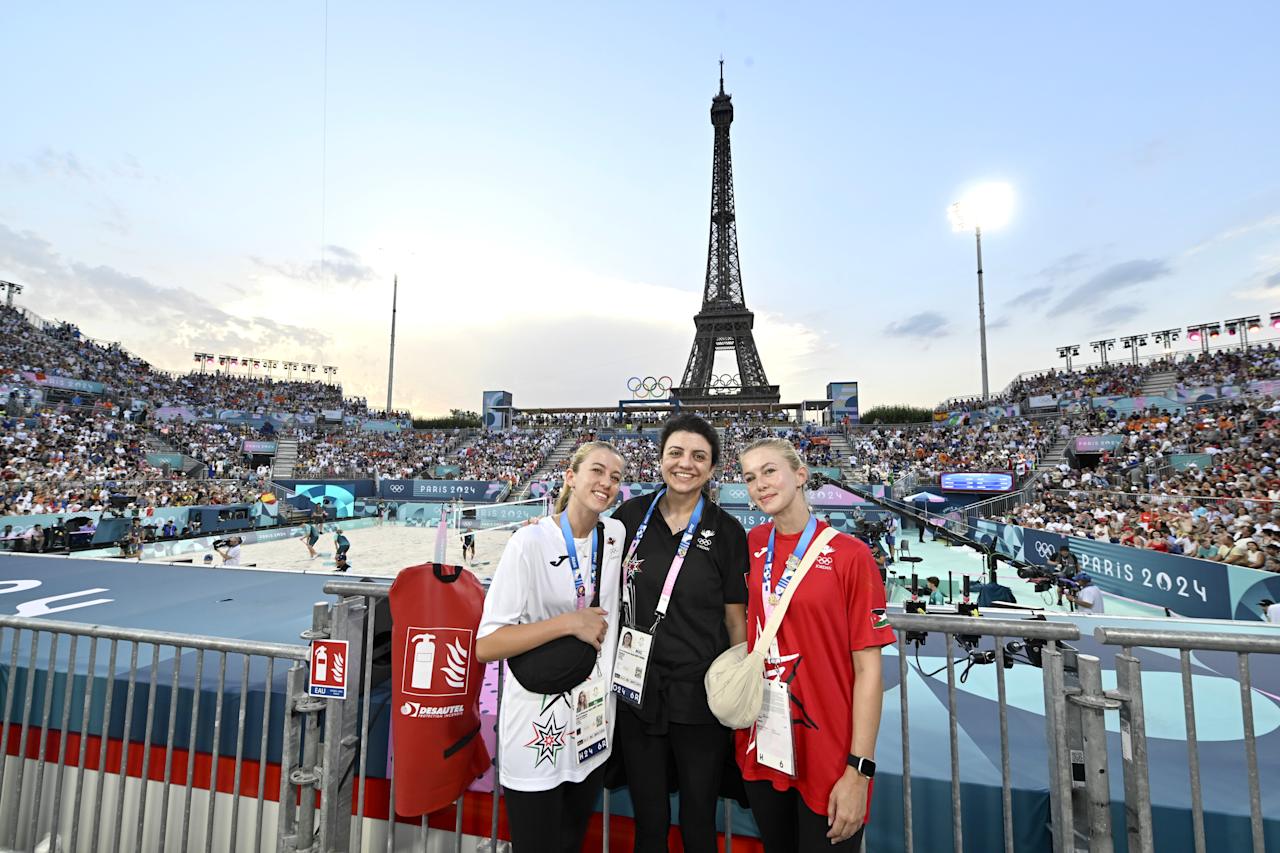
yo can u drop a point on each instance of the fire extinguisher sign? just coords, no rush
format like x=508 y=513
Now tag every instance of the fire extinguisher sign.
x=328 y=669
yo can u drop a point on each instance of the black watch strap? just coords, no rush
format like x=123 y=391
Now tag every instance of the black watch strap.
x=864 y=766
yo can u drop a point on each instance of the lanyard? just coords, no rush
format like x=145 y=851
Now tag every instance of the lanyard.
x=677 y=562
x=771 y=595
x=579 y=582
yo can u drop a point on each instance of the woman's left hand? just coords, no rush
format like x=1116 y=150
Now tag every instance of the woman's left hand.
x=847 y=806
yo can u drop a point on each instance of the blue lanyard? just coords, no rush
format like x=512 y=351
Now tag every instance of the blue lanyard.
x=579 y=582
x=673 y=572
x=771 y=595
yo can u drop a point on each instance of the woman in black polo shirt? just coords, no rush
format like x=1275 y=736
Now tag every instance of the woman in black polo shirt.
x=702 y=613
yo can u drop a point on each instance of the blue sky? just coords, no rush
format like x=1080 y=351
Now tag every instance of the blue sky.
x=539 y=177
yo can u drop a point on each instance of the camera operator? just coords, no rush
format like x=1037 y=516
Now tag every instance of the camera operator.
x=1064 y=562
x=229 y=549
x=1087 y=596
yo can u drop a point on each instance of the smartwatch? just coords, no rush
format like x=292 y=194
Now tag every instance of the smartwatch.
x=864 y=766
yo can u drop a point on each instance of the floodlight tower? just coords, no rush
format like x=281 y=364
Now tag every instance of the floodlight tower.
x=1101 y=347
x=1068 y=352
x=985 y=206
x=1132 y=343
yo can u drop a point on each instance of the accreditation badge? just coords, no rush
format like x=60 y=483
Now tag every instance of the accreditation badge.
x=775 y=748
x=630 y=665
x=589 y=701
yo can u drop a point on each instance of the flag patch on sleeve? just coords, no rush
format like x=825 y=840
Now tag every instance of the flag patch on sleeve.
x=879 y=619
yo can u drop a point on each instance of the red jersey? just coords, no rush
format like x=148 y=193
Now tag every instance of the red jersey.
x=838 y=608
x=436 y=683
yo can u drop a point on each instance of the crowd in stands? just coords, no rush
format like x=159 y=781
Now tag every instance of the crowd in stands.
x=69 y=460
x=217 y=445
x=511 y=457
x=1011 y=444
x=1134 y=495
x=1228 y=367
x=353 y=453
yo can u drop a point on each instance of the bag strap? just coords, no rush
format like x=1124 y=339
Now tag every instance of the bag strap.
x=595 y=595
x=775 y=621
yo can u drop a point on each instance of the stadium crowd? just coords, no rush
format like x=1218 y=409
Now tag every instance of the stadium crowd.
x=1012 y=444
x=1135 y=496
x=353 y=453
x=511 y=457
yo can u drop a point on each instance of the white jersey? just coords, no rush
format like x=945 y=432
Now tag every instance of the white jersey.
x=533 y=582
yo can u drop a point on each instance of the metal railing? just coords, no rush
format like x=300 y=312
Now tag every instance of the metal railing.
x=966 y=633
x=69 y=781
x=79 y=773
x=1128 y=699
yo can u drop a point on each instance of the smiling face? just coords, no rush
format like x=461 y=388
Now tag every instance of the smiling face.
x=596 y=480
x=772 y=481
x=686 y=462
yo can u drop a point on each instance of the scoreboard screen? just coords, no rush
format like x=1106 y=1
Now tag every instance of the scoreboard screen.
x=977 y=482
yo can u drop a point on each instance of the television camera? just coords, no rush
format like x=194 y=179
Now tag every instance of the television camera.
x=1046 y=578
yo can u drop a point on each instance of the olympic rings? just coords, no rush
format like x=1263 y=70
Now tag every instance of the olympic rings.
x=650 y=387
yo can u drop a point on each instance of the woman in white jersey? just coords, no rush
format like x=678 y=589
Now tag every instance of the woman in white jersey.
x=552 y=754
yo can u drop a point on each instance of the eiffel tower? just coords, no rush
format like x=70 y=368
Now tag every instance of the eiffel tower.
x=724 y=323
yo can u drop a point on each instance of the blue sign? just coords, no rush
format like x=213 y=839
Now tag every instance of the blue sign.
x=977 y=482
x=1187 y=586
x=733 y=494
x=468 y=491
x=844 y=401
x=1097 y=443
x=495 y=409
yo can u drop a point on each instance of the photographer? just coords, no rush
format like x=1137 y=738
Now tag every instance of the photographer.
x=1087 y=596
x=1064 y=562
x=229 y=549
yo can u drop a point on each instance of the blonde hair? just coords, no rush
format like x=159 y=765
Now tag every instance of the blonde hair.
x=784 y=447
x=580 y=456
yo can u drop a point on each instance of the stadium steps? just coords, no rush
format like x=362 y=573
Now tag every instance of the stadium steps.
x=557 y=460
x=1159 y=384
x=842 y=451
x=285 y=460
x=1055 y=454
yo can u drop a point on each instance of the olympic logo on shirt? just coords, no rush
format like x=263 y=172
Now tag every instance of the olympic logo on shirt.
x=649 y=387
x=1044 y=549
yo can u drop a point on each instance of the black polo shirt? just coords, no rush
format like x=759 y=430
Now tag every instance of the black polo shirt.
x=693 y=632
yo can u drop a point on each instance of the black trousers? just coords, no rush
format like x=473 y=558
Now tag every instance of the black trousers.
x=553 y=821
x=787 y=825
x=698 y=753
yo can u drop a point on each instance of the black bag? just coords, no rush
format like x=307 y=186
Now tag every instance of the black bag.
x=562 y=664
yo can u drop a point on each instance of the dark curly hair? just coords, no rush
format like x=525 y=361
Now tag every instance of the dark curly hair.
x=694 y=424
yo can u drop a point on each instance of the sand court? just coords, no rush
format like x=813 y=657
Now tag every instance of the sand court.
x=376 y=551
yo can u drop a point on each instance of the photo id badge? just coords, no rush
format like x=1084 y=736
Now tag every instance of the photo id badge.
x=774 y=747
x=590 y=726
x=630 y=665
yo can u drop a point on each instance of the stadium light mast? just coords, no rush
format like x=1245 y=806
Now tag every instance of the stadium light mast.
x=391 y=360
x=1102 y=346
x=1166 y=337
x=1068 y=352
x=1132 y=343
x=1202 y=332
x=984 y=206
x=1243 y=326
x=13 y=287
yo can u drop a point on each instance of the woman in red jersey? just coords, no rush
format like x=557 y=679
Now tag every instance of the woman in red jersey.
x=808 y=770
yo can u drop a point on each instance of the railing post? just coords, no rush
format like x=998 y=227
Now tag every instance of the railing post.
x=287 y=817
x=346 y=622
x=1061 y=818
x=1088 y=707
x=1133 y=751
